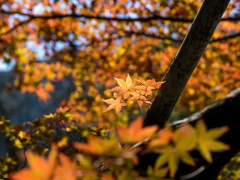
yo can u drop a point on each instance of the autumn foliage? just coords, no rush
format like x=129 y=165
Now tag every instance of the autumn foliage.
x=115 y=156
x=116 y=53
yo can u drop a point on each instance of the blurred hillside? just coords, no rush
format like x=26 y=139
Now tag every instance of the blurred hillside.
x=20 y=108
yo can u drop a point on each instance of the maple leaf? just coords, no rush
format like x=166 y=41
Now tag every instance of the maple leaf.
x=144 y=90
x=39 y=168
x=114 y=103
x=125 y=84
x=185 y=139
x=164 y=137
x=168 y=156
x=98 y=146
x=124 y=87
x=207 y=142
x=136 y=132
x=67 y=169
x=150 y=82
x=139 y=98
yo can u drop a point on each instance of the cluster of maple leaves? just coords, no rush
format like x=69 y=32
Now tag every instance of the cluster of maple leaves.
x=128 y=91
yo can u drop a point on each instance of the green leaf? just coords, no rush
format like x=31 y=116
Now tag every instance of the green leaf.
x=217 y=146
x=173 y=164
x=217 y=132
x=169 y=156
x=187 y=158
x=161 y=160
x=204 y=150
x=201 y=127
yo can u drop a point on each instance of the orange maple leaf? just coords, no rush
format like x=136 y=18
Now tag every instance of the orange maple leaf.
x=125 y=84
x=150 y=82
x=114 y=104
x=164 y=137
x=98 y=146
x=39 y=168
x=42 y=94
x=67 y=169
x=136 y=132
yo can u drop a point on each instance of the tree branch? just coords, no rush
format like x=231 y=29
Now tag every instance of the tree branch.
x=185 y=61
x=181 y=40
x=16 y=26
x=142 y=19
x=157 y=36
x=225 y=38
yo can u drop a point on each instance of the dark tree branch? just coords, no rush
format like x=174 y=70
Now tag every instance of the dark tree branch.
x=185 y=61
x=142 y=19
x=225 y=37
x=234 y=19
x=17 y=26
x=57 y=16
x=180 y=40
x=157 y=36
x=129 y=34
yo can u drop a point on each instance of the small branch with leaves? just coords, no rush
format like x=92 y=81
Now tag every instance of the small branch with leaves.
x=127 y=91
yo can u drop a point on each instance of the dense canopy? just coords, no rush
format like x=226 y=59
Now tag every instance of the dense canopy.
x=95 y=41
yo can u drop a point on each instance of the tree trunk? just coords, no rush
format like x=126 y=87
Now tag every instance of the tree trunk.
x=185 y=61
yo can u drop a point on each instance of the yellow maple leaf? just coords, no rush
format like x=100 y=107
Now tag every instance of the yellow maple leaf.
x=123 y=88
x=207 y=143
x=125 y=84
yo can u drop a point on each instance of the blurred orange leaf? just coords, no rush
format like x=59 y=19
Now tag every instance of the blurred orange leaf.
x=99 y=146
x=39 y=168
x=136 y=132
x=164 y=137
x=67 y=169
